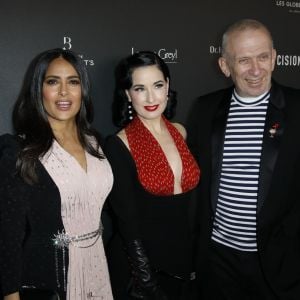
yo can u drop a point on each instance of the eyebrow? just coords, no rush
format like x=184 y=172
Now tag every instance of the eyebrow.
x=137 y=85
x=247 y=56
x=159 y=81
x=55 y=76
x=140 y=84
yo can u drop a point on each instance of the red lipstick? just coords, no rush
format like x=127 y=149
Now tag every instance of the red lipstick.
x=151 y=107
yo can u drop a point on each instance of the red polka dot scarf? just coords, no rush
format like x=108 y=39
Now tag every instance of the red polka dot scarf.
x=154 y=171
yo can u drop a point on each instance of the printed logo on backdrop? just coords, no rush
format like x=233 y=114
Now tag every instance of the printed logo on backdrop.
x=170 y=56
x=68 y=44
x=215 y=49
x=288 y=60
x=291 y=6
x=282 y=60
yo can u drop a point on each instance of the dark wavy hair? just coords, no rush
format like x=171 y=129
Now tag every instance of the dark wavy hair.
x=30 y=119
x=123 y=82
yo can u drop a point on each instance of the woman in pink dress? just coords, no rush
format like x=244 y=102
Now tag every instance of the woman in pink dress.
x=54 y=181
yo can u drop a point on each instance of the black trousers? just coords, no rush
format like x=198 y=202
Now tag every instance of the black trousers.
x=235 y=275
x=177 y=289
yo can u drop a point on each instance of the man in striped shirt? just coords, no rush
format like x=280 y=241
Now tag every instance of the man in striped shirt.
x=246 y=141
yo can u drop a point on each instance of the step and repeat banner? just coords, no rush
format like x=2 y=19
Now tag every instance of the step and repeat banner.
x=186 y=34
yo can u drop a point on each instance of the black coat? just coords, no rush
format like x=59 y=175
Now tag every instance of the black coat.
x=278 y=207
x=29 y=218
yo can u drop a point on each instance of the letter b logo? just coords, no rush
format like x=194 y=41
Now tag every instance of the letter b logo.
x=67 y=43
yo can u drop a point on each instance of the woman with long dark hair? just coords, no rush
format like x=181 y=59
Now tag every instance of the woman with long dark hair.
x=54 y=180
x=155 y=175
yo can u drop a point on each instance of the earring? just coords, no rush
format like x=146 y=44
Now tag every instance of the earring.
x=130 y=117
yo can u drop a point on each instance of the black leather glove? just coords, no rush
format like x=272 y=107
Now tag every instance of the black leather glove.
x=143 y=284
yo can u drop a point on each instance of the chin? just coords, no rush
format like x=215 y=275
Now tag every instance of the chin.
x=254 y=92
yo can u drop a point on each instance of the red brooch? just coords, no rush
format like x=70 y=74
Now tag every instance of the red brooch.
x=273 y=129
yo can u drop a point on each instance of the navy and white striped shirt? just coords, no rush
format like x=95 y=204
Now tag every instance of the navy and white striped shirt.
x=235 y=219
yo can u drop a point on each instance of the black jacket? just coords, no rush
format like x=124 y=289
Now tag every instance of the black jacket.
x=278 y=207
x=29 y=218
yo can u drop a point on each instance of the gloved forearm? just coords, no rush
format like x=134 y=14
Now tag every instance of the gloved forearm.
x=144 y=283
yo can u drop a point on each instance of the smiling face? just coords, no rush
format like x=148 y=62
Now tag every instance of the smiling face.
x=148 y=92
x=249 y=59
x=61 y=92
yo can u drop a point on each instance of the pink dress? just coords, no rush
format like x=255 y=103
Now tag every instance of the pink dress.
x=82 y=196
